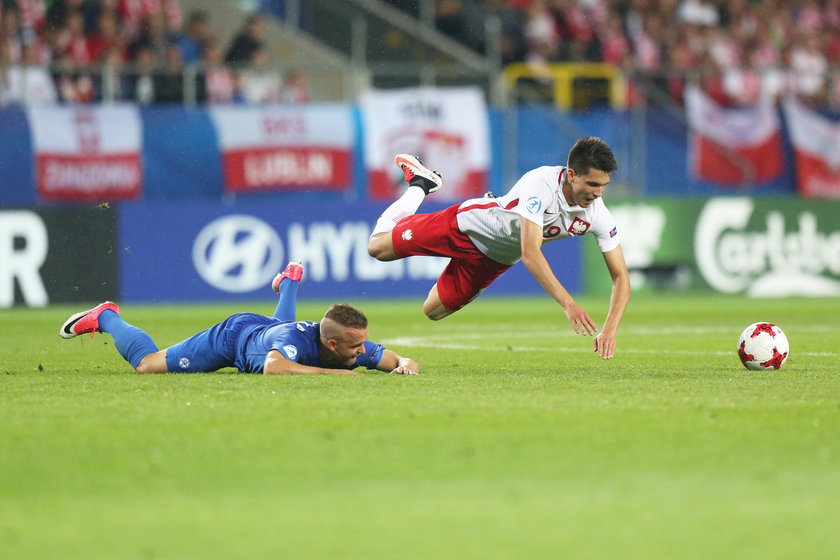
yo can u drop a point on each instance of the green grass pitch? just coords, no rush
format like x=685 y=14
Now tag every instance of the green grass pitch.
x=516 y=441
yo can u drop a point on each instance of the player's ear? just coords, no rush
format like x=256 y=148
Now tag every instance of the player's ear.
x=570 y=174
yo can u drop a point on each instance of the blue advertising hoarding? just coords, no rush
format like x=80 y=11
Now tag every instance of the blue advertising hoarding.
x=203 y=251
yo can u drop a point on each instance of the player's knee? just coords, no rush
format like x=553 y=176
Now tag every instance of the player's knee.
x=436 y=312
x=379 y=247
x=374 y=250
x=149 y=365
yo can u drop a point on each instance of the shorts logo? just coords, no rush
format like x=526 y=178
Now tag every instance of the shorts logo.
x=184 y=363
x=614 y=232
x=534 y=204
x=407 y=235
x=579 y=227
x=291 y=351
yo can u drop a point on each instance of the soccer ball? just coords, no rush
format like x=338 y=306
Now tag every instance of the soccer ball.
x=763 y=346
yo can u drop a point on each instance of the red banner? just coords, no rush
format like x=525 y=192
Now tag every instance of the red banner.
x=286 y=167
x=285 y=148
x=87 y=154
x=733 y=146
x=816 y=148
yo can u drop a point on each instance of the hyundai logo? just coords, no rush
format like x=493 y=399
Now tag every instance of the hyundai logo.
x=237 y=253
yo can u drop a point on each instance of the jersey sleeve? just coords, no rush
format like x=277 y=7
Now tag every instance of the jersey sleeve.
x=292 y=344
x=605 y=230
x=371 y=356
x=534 y=197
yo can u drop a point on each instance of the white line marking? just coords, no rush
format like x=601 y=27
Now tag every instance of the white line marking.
x=431 y=342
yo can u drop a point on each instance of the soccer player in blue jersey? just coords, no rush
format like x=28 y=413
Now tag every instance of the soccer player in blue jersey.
x=253 y=343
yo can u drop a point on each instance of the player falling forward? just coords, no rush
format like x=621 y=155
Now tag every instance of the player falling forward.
x=253 y=343
x=485 y=236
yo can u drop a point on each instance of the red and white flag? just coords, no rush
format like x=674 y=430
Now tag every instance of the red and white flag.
x=733 y=146
x=87 y=154
x=816 y=147
x=446 y=127
x=277 y=147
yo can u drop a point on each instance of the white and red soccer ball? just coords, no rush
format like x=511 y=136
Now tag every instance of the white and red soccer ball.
x=763 y=346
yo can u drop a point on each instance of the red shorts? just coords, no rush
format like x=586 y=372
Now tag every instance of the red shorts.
x=437 y=235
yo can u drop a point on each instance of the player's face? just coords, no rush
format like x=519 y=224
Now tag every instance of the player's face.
x=349 y=346
x=586 y=188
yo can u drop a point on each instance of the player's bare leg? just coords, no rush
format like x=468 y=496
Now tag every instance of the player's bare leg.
x=381 y=247
x=153 y=363
x=133 y=344
x=433 y=308
x=422 y=181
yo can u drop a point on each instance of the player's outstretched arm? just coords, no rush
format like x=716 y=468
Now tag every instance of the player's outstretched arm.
x=537 y=265
x=394 y=363
x=276 y=364
x=605 y=343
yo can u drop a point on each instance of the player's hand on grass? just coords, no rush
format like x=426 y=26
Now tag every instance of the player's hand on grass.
x=605 y=346
x=580 y=320
x=406 y=366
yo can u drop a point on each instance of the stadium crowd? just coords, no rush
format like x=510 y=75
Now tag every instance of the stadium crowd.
x=736 y=48
x=144 y=50
x=77 y=51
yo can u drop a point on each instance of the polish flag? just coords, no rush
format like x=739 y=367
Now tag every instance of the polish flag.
x=816 y=147
x=87 y=153
x=733 y=146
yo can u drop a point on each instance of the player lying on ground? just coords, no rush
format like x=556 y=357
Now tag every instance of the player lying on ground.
x=485 y=236
x=253 y=343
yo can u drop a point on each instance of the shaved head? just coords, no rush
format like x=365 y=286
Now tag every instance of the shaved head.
x=339 y=318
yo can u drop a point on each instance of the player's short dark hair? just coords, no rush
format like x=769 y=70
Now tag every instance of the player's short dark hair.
x=591 y=153
x=347 y=316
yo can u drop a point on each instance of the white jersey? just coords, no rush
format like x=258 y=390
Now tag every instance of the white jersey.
x=493 y=224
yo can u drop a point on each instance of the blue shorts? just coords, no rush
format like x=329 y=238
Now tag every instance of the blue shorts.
x=214 y=348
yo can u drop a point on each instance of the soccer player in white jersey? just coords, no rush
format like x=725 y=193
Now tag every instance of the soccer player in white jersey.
x=485 y=236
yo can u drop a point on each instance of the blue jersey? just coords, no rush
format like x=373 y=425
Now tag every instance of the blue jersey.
x=243 y=340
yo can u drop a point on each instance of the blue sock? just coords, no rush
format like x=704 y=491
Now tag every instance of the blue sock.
x=132 y=343
x=287 y=305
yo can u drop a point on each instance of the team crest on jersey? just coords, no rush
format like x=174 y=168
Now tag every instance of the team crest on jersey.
x=407 y=235
x=534 y=204
x=579 y=227
x=291 y=351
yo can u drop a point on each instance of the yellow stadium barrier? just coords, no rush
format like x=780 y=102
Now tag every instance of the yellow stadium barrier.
x=563 y=77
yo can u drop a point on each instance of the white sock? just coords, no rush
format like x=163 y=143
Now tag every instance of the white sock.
x=404 y=206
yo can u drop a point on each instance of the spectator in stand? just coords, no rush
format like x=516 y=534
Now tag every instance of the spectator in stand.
x=614 y=43
x=247 y=42
x=169 y=80
x=216 y=82
x=647 y=44
x=74 y=85
x=141 y=81
x=540 y=31
x=578 y=36
x=512 y=46
x=134 y=13
x=259 y=82
x=106 y=39
x=155 y=36
x=296 y=90
x=711 y=79
x=10 y=35
x=196 y=36
x=808 y=68
x=112 y=84
x=26 y=84
x=73 y=41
